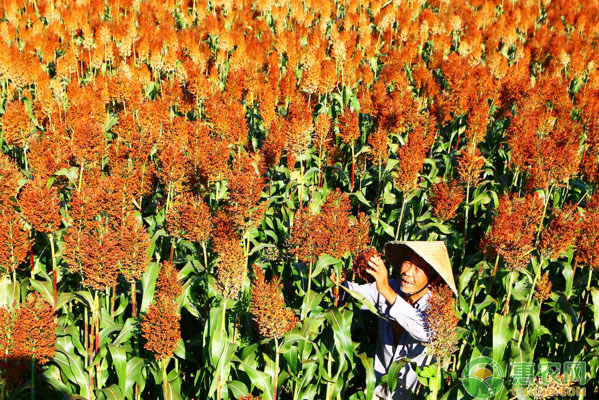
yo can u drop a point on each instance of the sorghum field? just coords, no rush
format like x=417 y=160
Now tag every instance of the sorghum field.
x=178 y=179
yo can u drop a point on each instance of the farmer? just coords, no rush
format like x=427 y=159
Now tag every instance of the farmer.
x=402 y=305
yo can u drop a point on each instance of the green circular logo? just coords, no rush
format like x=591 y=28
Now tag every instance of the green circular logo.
x=482 y=378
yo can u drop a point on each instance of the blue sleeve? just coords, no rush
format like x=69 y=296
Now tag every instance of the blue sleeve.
x=367 y=290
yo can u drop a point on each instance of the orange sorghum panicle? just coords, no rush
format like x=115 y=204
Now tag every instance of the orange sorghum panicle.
x=543 y=288
x=9 y=180
x=360 y=265
x=441 y=321
x=134 y=243
x=167 y=284
x=445 y=199
x=41 y=205
x=16 y=125
x=161 y=328
x=35 y=329
x=513 y=230
x=14 y=241
x=268 y=306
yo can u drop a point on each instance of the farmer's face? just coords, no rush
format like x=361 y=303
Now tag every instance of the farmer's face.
x=413 y=274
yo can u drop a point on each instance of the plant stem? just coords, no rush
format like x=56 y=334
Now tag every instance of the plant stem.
x=170 y=258
x=403 y=206
x=583 y=306
x=205 y=256
x=222 y=330
x=304 y=304
x=329 y=372
x=466 y=223
x=164 y=379
x=509 y=293
x=353 y=166
x=275 y=377
x=494 y=273
x=378 y=198
x=112 y=300
x=529 y=298
x=133 y=300
x=51 y=239
x=437 y=383
x=80 y=177
x=544 y=212
x=33 y=378
x=463 y=346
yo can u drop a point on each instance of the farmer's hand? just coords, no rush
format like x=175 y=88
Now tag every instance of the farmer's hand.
x=333 y=277
x=379 y=272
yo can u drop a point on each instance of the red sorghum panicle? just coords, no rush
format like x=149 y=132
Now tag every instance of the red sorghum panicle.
x=446 y=198
x=442 y=322
x=9 y=180
x=361 y=264
x=189 y=218
x=167 y=284
x=14 y=240
x=134 y=243
x=231 y=267
x=246 y=184
x=512 y=233
x=470 y=165
x=161 y=328
x=411 y=160
x=16 y=125
x=332 y=231
x=88 y=144
x=40 y=205
x=93 y=251
x=273 y=319
x=543 y=288
x=561 y=232
x=349 y=127
x=12 y=365
x=588 y=239
x=35 y=329
x=379 y=147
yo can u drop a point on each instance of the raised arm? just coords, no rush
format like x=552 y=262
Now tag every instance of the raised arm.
x=367 y=290
x=411 y=319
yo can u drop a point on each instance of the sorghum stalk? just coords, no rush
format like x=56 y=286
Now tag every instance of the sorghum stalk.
x=438 y=382
x=353 y=163
x=222 y=333
x=403 y=206
x=205 y=255
x=276 y=371
x=378 y=198
x=304 y=304
x=466 y=223
x=33 y=378
x=529 y=298
x=133 y=300
x=80 y=177
x=54 y=294
x=164 y=378
x=544 y=211
x=509 y=293
x=583 y=306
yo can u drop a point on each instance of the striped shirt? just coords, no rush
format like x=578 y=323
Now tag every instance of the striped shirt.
x=412 y=342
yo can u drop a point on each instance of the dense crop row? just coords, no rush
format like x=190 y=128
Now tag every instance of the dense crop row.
x=179 y=178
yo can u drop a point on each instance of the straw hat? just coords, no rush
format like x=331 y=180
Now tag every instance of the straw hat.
x=433 y=252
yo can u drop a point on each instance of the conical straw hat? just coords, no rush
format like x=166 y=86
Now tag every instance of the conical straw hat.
x=433 y=252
